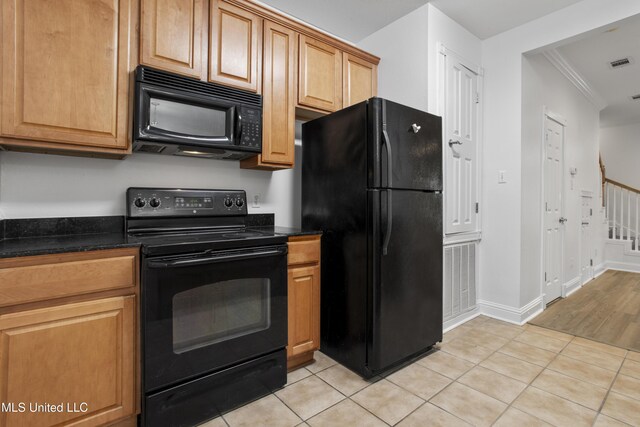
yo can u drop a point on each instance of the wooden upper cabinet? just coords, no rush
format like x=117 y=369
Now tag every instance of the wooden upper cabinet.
x=360 y=80
x=65 y=71
x=319 y=75
x=171 y=35
x=235 y=46
x=279 y=94
x=69 y=354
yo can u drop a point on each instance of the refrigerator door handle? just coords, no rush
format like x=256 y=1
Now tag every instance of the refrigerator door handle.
x=387 y=145
x=387 y=234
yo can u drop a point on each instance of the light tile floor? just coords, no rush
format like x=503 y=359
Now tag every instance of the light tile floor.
x=485 y=372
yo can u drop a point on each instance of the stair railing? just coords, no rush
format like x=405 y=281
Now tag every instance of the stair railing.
x=622 y=204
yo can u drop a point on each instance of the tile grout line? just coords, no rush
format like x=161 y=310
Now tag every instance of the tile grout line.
x=510 y=405
x=346 y=397
x=613 y=382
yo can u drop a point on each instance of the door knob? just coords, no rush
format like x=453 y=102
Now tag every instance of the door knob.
x=562 y=220
x=452 y=143
x=415 y=128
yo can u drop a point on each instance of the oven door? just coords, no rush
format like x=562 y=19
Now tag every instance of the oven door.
x=207 y=311
x=166 y=115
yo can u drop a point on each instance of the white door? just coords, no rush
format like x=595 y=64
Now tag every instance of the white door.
x=586 y=259
x=461 y=102
x=553 y=200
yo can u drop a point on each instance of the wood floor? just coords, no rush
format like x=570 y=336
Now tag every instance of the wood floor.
x=606 y=309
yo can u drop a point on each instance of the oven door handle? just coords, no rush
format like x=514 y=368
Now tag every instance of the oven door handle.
x=216 y=258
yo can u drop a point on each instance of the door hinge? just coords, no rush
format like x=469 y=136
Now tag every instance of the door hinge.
x=546 y=136
x=545 y=276
x=477 y=207
x=591 y=263
x=590 y=212
x=477 y=97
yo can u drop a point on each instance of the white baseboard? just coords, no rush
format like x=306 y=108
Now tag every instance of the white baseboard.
x=599 y=269
x=571 y=286
x=459 y=320
x=519 y=316
x=622 y=266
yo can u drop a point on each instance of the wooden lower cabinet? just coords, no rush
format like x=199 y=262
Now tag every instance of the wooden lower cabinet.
x=73 y=360
x=304 y=300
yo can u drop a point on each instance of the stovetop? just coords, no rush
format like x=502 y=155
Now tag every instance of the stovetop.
x=172 y=221
x=159 y=243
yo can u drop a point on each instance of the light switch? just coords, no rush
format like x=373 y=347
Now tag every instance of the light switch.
x=256 y=201
x=502 y=177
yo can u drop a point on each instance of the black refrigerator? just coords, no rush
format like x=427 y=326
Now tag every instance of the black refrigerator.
x=372 y=182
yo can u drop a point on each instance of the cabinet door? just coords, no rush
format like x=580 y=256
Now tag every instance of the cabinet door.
x=65 y=71
x=319 y=75
x=279 y=89
x=235 y=44
x=79 y=354
x=171 y=35
x=304 y=310
x=360 y=80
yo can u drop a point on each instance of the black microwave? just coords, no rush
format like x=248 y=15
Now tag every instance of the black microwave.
x=183 y=116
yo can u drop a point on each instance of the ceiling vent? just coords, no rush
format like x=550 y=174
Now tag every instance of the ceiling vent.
x=621 y=62
x=636 y=97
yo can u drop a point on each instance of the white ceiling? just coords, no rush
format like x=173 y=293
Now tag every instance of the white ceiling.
x=591 y=56
x=352 y=20
x=486 y=18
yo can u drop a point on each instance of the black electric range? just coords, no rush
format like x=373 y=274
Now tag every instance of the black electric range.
x=213 y=303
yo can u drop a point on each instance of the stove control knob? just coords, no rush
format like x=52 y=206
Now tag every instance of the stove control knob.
x=239 y=202
x=140 y=202
x=154 y=203
x=228 y=202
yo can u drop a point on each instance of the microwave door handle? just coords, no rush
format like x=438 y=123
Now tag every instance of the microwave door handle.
x=238 y=123
x=180 y=136
x=214 y=259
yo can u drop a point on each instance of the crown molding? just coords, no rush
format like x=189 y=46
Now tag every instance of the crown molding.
x=567 y=70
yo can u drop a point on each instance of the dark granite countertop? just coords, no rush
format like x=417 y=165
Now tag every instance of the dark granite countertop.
x=42 y=236
x=288 y=231
x=30 y=246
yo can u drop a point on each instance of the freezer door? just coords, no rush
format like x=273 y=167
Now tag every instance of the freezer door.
x=407 y=286
x=408 y=144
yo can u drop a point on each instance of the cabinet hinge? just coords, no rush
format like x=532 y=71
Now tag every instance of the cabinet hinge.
x=477 y=97
x=477 y=207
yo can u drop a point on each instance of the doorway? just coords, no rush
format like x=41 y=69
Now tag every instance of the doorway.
x=462 y=86
x=553 y=206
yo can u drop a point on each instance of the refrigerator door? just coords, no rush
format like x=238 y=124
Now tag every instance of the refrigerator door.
x=407 y=288
x=407 y=147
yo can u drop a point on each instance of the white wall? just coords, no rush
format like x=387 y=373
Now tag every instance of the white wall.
x=408 y=48
x=501 y=248
x=544 y=86
x=40 y=185
x=402 y=47
x=620 y=148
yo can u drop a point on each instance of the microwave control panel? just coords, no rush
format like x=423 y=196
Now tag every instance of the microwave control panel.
x=164 y=202
x=251 y=133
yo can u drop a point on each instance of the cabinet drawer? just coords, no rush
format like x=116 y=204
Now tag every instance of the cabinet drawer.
x=29 y=279
x=304 y=250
